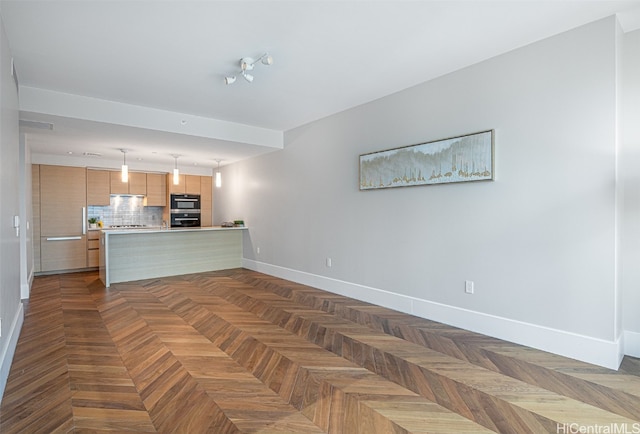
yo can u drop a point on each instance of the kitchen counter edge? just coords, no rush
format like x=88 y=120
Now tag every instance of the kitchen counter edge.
x=108 y=231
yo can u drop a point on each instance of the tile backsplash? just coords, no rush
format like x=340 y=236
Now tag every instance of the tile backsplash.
x=127 y=210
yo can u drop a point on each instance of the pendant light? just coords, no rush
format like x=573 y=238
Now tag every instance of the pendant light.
x=176 y=173
x=218 y=176
x=125 y=168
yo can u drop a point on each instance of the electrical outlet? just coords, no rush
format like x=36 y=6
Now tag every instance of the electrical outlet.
x=328 y=262
x=468 y=286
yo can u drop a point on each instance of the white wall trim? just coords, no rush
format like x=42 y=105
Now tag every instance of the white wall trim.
x=587 y=349
x=9 y=349
x=25 y=288
x=632 y=343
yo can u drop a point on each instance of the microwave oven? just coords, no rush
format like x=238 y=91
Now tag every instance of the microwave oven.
x=185 y=210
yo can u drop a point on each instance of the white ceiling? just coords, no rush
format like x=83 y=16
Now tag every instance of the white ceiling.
x=173 y=55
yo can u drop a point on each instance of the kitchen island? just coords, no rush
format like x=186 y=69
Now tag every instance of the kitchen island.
x=136 y=254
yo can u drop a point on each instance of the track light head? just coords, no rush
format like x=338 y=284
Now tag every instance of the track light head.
x=246 y=63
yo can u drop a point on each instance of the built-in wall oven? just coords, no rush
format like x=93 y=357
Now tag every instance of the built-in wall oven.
x=185 y=210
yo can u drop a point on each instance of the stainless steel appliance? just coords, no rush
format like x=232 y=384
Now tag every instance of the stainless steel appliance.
x=185 y=210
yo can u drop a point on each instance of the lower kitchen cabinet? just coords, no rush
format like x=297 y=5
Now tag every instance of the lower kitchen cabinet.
x=63 y=253
x=93 y=248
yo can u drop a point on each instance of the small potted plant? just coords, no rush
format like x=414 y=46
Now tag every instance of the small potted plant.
x=93 y=222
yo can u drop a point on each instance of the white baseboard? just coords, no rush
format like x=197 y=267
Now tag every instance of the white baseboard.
x=9 y=347
x=24 y=291
x=587 y=349
x=25 y=288
x=632 y=343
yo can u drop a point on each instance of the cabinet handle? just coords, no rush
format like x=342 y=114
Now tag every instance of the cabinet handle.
x=63 y=238
x=84 y=220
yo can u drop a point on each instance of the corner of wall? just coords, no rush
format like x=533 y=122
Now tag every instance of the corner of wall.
x=632 y=343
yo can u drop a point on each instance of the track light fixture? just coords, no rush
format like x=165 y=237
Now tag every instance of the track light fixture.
x=247 y=64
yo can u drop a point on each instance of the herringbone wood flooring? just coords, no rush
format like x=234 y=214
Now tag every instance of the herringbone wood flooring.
x=240 y=352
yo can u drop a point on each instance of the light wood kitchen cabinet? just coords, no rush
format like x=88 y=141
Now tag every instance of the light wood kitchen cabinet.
x=189 y=184
x=206 y=201
x=192 y=184
x=137 y=183
x=117 y=186
x=63 y=254
x=176 y=189
x=63 y=217
x=63 y=200
x=98 y=187
x=156 y=190
x=93 y=248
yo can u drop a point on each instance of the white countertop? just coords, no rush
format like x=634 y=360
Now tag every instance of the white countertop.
x=158 y=229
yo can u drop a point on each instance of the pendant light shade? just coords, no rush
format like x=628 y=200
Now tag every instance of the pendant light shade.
x=218 y=176
x=176 y=173
x=125 y=168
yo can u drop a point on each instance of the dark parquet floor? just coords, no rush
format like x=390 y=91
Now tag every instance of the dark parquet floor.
x=237 y=351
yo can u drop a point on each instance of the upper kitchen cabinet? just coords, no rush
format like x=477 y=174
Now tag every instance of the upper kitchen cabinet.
x=156 y=189
x=137 y=183
x=117 y=186
x=192 y=184
x=178 y=188
x=98 y=187
x=189 y=184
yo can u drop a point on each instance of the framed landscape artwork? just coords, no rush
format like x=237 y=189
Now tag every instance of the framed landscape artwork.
x=458 y=159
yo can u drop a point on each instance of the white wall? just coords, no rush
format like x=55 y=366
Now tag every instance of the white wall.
x=11 y=312
x=629 y=177
x=539 y=241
